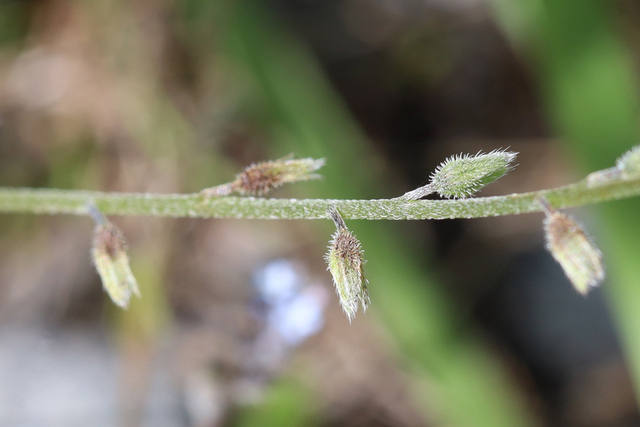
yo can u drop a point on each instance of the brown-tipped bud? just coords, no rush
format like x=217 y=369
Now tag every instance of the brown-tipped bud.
x=573 y=249
x=345 y=260
x=109 y=254
x=260 y=178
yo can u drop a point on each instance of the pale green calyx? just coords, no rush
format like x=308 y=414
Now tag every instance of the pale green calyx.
x=463 y=175
x=569 y=244
x=260 y=178
x=109 y=253
x=345 y=262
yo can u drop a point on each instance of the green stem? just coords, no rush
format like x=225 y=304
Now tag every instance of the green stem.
x=47 y=201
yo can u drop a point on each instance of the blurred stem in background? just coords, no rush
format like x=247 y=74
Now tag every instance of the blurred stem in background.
x=591 y=95
x=307 y=118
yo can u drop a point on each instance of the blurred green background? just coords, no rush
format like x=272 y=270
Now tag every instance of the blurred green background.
x=472 y=323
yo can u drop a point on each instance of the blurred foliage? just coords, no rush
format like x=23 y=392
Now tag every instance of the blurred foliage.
x=13 y=22
x=287 y=404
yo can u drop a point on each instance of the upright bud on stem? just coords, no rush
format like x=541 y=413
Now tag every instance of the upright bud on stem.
x=109 y=254
x=571 y=247
x=260 y=178
x=463 y=175
x=627 y=167
x=345 y=259
x=629 y=163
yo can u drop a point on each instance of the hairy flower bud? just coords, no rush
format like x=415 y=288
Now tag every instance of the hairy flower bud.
x=629 y=163
x=345 y=259
x=110 y=257
x=573 y=249
x=463 y=175
x=627 y=167
x=260 y=178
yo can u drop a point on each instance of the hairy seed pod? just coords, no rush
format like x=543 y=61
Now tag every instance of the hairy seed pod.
x=629 y=163
x=578 y=256
x=345 y=262
x=110 y=257
x=260 y=178
x=463 y=175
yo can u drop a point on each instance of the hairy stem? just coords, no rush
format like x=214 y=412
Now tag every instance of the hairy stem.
x=47 y=201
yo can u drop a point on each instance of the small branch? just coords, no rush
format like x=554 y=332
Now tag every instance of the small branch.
x=74 y=202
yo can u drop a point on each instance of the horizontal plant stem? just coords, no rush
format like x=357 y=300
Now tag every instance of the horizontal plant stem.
x=74 y=202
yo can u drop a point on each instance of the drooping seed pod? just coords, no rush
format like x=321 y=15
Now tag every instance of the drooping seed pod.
x=345 y=261
x=260 y=178
x=109 y=253
x=629 y=163
x=576 y=253
x=463 y=175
